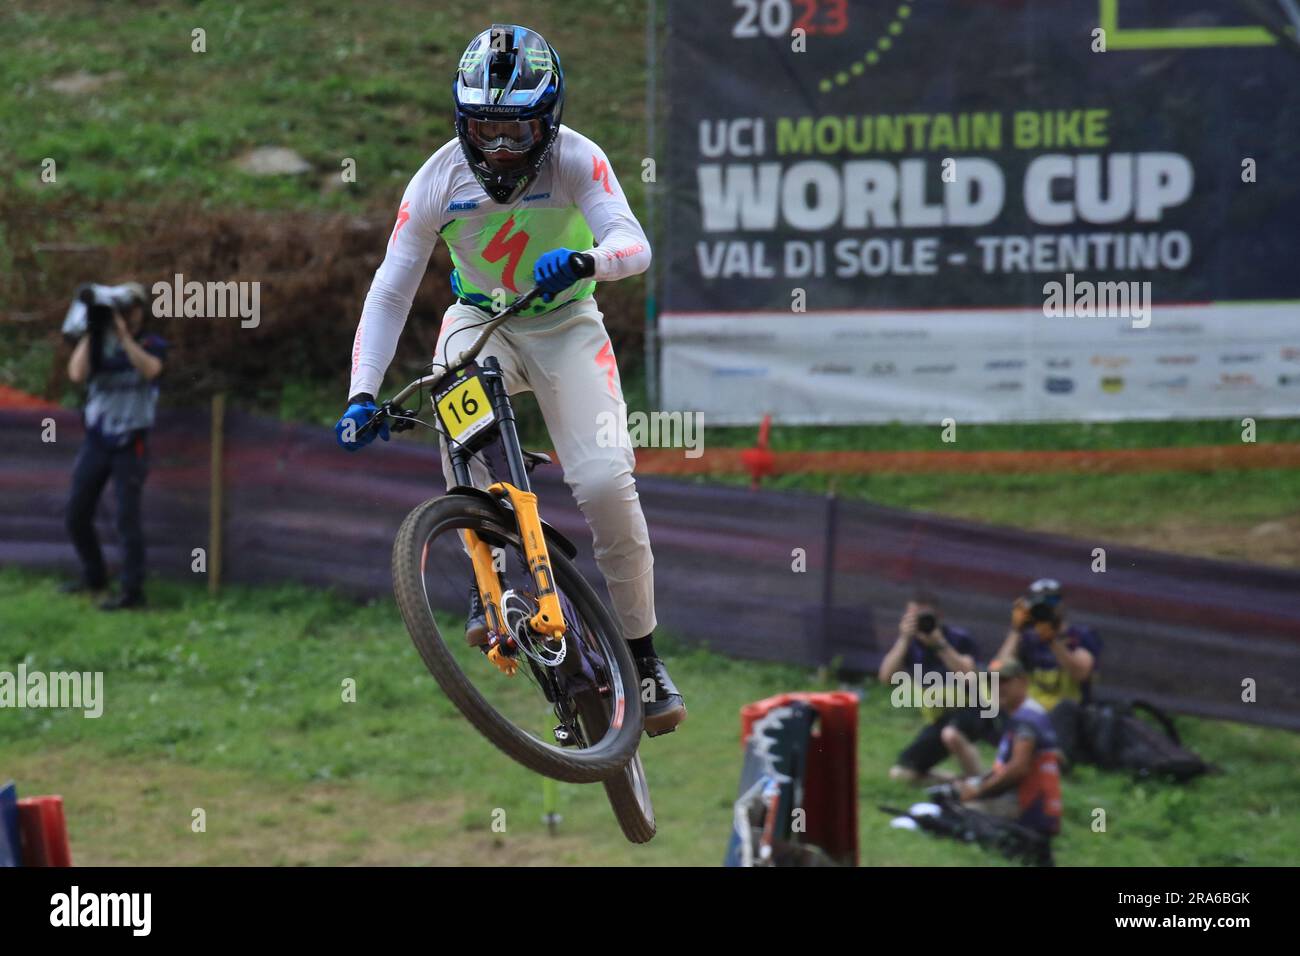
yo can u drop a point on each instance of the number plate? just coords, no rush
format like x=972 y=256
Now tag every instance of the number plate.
x=463 y=408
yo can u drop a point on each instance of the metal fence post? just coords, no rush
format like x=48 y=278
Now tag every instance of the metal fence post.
x=216 y=492
x=828 y=573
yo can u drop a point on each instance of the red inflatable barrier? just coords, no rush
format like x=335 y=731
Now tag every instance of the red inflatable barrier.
x=43 y=833
x=831 y=782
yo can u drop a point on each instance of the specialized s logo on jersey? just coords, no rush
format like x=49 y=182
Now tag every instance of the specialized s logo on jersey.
x=499 y=247
x=402 y=217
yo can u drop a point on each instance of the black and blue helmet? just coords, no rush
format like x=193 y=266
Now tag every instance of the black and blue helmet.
x=509 y=95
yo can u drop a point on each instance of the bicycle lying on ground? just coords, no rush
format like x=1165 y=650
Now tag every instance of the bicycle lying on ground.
x=544 y=620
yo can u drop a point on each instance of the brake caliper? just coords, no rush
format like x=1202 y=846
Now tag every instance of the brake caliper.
x=506 y=662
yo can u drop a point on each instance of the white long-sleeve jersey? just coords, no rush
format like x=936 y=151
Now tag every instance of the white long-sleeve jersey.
x=576 y=203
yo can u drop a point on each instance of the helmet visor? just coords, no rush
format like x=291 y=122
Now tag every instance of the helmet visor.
x=505 y=144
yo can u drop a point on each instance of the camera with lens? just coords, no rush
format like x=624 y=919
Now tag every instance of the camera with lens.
x=926 y=623
x=1042 y=611
x=1044 y=600
x=92 y=309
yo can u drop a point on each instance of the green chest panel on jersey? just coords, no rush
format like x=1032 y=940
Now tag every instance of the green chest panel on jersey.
x=499 y=250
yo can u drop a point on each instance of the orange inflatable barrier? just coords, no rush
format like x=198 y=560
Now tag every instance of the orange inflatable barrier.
x=831 y=779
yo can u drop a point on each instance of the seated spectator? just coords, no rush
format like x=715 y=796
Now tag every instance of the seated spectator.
x=1025 y=784
x=924 y=639
x=1061 y=657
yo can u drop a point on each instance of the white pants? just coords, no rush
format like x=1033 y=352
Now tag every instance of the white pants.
x=565 y=358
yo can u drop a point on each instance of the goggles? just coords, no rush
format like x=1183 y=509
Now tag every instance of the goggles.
x=512 y=136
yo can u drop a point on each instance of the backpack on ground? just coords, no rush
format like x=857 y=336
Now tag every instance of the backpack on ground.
x=1113 y=736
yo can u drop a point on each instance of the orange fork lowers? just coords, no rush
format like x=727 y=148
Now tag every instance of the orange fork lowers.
x=489 y=591
x=549 y=619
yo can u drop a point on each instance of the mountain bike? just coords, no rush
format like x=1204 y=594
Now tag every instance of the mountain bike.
x=552 y=649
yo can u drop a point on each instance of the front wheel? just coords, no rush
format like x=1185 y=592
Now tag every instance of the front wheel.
x=530 y=714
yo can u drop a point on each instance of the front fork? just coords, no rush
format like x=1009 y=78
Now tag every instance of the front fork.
x=549 y=619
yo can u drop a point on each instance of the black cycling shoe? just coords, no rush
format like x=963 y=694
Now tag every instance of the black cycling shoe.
x=666 y=709
x=126 y=601
x=476 y=629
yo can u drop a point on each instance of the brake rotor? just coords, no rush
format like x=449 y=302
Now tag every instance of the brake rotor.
x=517 y=610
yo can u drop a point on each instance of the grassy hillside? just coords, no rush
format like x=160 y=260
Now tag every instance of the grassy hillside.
x=333 y=79
x=146 y=136
x=234 y=706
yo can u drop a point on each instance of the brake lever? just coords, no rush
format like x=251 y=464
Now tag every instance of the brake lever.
x=402 y=421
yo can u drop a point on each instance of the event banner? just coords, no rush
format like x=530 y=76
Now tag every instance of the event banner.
x=990 y=210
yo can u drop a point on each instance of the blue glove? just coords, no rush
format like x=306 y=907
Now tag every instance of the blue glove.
x=558 y=269
x=360 y=411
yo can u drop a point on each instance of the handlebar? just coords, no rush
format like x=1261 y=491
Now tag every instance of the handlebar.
x=463 y=359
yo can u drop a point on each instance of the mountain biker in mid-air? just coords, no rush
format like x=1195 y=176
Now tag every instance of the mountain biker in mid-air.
x=516 y=192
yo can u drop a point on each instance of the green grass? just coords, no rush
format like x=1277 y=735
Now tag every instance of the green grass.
x=26 y=361
x=331 y=80
x=235 y=705
x=1066 y=502
x=1048 y=436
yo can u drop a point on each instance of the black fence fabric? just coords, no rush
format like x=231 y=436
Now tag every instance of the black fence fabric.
x=758 y=574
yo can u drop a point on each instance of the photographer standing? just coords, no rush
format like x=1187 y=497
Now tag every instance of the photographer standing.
x=120 y=366
x=925 y=641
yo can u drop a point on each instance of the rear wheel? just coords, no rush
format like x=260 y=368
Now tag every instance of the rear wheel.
x=527 y=715
x=629 y=791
